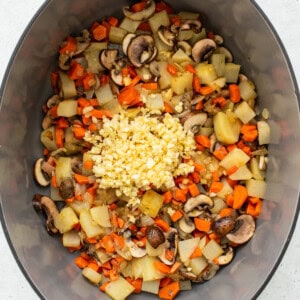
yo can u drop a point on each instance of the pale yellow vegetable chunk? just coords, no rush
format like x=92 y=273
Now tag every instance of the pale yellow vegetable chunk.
x=235 y=158
x=63 y=169
x=182 y=83
x=100 y=214
x=256 y=188
x=67 y=108
x=198 y=264
x=212 y=250
x=242 y=173
x=151 y=203
x=93 y=276
x=71 y=239
x=66 y=220
x=187 y=247
x=244 y=112
x=119 y=289
x=206 y=73
x=264 y=132
x=90 y=227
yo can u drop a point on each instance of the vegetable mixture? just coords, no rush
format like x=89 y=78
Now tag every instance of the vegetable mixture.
x=153 y=150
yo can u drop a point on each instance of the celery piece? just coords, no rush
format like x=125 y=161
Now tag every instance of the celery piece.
x=247 y=90
x=218 y=61
x=198 y=36
x=116 y=35
x=232 y=72
x=185 y=35
x=159 y=19
x=129 y=25
x=91 y=55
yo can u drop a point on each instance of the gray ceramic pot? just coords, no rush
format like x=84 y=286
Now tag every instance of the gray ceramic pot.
x=26 y=86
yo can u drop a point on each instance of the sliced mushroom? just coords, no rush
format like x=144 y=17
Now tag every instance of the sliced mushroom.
x=194 y=122
x=135 y=250
x=195 y=25
x=203 y=49
x=155 y=236
x=171 y=244
x=200 y=200
x=210 y=272
x=126 y=41
x=228 y=55
x=243 y=231
x=76 y=164
x=185 y=46
x=154 y=68
x=64 y=62
x=116 y=77
x=186 y=225
x=218 y=39
x=45 y=205
x=42 y=178
x=141 y=50
x=166 y=36
x=223 y=225
x=225 y=258
x=108 y=58
x=145 y=14
x=67 y=189
x=52 y=101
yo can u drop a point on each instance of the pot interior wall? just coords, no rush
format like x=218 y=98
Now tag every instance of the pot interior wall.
x=48 y=265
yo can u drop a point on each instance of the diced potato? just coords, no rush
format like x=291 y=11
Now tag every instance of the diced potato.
x=67 y=108
x=150 y=273
x=242 y=173
x=129 y=25
x=71 y=239
x=155 y=252
x=206 y=73
x=231 y=72
x=226 y=190
x=137 y=267
x=218 y=61
x=212 y=250
x=244 y=112
x=63 y=169
x=100 y=214
x=103 y=256
x=104 y=94
x=236 y=157
x=264 y=132
x=127 y=271
x=184 y=35
x=119 y=289
x=256 y=188
x=198 y=264
x=254 y=167
x=90 y=227
x=180 y=56
x=78 y=206
x=158 y=19
x=219 y=204
x=151 y=286
x=155 y=102
x=187 y=247
x=91 y=55
x=66 y=220
x=162 y=48
x=165 y=77
x=116 y=35
x=227 y=127
x=202 y=242
x=182 y=83
x=90 y=274
x=151 y=203
x=247 y=90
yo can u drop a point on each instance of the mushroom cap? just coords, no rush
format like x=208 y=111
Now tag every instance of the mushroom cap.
x=126 y=41
x=141 y=50
x=41 y=177
x=116 y=77
x=245 y=227
x=194 y=121
x=166 y=36
x=223 y=225
x=226 y=258
x=203 y=49
x=155 y=236
x=108 y=58
x=144 y=14
x=66 y=188
x=198 y=201
x=186 y=225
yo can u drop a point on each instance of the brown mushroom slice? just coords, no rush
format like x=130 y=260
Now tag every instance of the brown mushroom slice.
x=116 y=77
x=141 y=50
x=67 y=189
x=203 y=49
x=135 y=250
x=145 y=14
x=194 y=122
x=225 y=258
x=186 y=225
x=45 y=205
x=200 y=200
x=210 y=272
x=154 y=68
x=172 y=244
x=42 y=178
x=195 y=25
x=155 y=236
x=243 y=231
x=223 y=225
x=108 y=58
x=166 y=36
x=126 y=41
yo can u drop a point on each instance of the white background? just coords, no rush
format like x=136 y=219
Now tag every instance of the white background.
x=285 y=17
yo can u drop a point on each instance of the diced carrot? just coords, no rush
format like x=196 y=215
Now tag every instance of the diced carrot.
x=211 y=35
x=199 y=167
x=175 y=20
x=144 y=26
x=59 y=137
x=250 y=209
x=258 y=207
x=240 y=195
x=167 y=197
x=190 y=68
x=229 y=200
x=172 y=69
x=197 y=253
x=135 y=80
x=180 y=195
x=97 y=113
x=170 y=291
x=169 y=254
x=121 y=223
x=203 y=140
x=234 y=93
x=175 y=267
x=216 y=187
x=162 y=224
x=54 y=80
x=107 y=265
x=62 y=123
x=150 y=86
x=91 y=240
x=129 y=96
x=81 y=179
x=196 y=84
x=206 y=90
x=88 y=81
x=161 y=267
x=78 y=132
x=108 y=244
x=220 y=153
x=54 y=182
x=139 y=6
x=69 y=46
x=104 y=286
x=100 y=33
x=195 y=177
x=83 y=102
x=231 y=147
x=231 y=170
x=193 y=190
x=113 y=21
x=136 y=283
x=253 y=200
x=215 y=176
x=160 y=6
x=224 y=212
x=177 y=215
x=221 y=101
x=165 y=281
x=94 y=266
x=118 y=240
x=202 y=225
x=76 y=71
x=199 y=105
x=80 y=262
x=92 y=127
x=249 y=132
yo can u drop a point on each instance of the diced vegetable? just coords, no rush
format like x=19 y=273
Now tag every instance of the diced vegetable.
x=151 y=203
x=244 y=112
x=198 y=264
x=100 y=214
x=187 y=247
x=264 y=132
x=247 y=90
x=93 y=276
x=159 y=19
x=242 y=173
x=231 y=72
x=71 y=239
x=151 y=286
x=129 y=25
x=104 y=94
x=67 y=86
x=218 y=61
x=89 y=225
x=206 y=73
x=212 y=250
x=256 y=188
x=91 y=55
x=63 y=169
x=182 y=83
x=119 y=289
x=66 y=220
x=116 y=35
x=67 y=108
x=235 y=158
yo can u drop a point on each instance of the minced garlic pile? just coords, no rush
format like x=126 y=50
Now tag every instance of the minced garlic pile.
x=140 y=153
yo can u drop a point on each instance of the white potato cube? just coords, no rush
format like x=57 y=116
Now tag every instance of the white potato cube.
x=244 y=112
